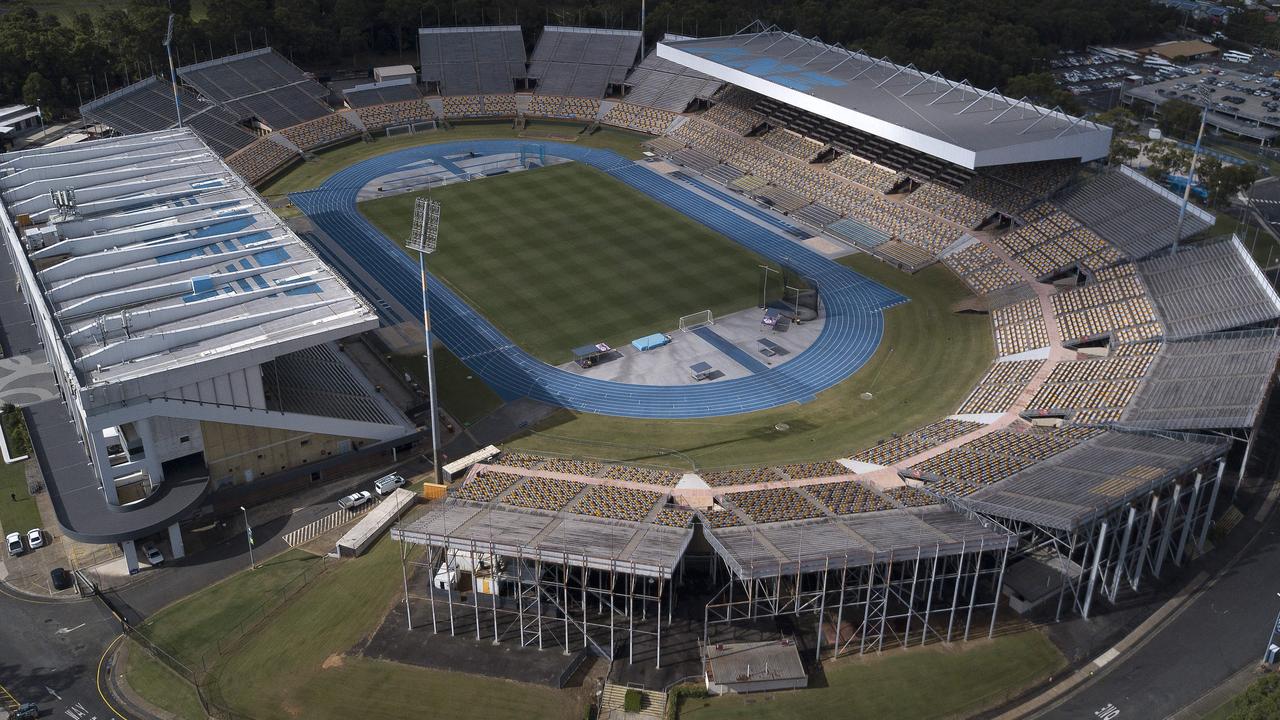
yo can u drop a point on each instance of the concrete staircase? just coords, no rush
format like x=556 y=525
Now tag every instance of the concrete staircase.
x=652 y=707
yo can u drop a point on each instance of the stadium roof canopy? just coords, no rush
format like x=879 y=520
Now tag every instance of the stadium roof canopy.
x=1072 y=488
x=760 y=550
x=168 y=272
x=1216 y=382
x=953 y=121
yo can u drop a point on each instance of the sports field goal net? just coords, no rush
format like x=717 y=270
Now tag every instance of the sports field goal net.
x=696 y=320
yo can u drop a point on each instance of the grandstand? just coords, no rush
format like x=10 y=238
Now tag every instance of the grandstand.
x=1209 y=288
x=147 y=106
x=472 y=60
x=664 y=85
x=1133 y=213
x=381 y=93
x=582 y=62
x=259 y=84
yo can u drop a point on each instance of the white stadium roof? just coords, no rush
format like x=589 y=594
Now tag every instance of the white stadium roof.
x=173 y=270
x=953 y=121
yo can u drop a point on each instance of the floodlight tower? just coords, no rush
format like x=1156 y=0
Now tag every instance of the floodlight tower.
x=423 y=239
x=173 y=75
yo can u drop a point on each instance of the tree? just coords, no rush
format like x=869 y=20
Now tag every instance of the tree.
x=1227 y=179
x=36 y=89
x=1179 y=119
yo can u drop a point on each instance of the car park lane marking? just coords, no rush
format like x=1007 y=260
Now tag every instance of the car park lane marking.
x=8 y=699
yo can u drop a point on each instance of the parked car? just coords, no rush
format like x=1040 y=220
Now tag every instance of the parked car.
x=387 y=484
x=60 y=578
x=35 y=538
x=355 y=500
x=14 y=543
x=153 y=554
x=26 y=711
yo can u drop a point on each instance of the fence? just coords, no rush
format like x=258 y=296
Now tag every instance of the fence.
x=198 y=670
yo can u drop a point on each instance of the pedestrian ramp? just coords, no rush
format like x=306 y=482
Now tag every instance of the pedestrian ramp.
x=311 y=531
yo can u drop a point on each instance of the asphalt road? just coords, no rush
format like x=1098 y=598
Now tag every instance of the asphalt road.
x=1220 y=631
x=51 y=652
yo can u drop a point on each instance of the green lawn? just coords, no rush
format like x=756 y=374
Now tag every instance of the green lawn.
x=295 y=667
x=566 y=255
x=16 y=515
x=928 y=360
x=462 y=394
x=310 y=174
x=931 y=682
x=191 y=629
x=150 y=679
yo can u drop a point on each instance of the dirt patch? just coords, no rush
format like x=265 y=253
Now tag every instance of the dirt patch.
x=333 y=661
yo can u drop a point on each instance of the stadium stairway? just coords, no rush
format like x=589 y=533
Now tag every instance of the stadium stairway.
x=853 y=303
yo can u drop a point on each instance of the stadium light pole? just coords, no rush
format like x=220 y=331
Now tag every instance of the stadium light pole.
x=173 y=75
x=423 y=240
x=1191 y=173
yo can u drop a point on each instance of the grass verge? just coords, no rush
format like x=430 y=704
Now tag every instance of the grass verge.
x=149 y=678
x=566 y=255
x=928 y=360
x=931 y=682
x=18 y=511
x=296 y=666
x=193 y=629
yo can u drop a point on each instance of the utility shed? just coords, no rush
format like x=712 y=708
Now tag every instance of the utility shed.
x=753 y=667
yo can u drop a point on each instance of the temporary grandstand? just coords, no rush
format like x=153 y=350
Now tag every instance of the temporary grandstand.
x=380 y=93
x=665 y=85
x=147 y=106
x=582 y=62
x=259 y=84
x=189 y=330
x=1209 y=288
x=487 y=60
x=1133 y=213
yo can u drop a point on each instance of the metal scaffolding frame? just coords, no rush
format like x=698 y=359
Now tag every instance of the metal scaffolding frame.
x=575 y=602
x=922 y=591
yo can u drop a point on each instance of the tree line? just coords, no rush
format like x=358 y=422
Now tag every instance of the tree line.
x=64 y=61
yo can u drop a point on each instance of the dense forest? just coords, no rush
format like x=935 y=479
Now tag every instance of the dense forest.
x=989 y=42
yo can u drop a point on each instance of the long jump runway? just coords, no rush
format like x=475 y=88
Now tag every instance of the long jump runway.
x=854 y=304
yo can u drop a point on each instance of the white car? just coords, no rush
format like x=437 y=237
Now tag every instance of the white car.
x=35 y=538
x=387 y=484
x=14 y=542
x=152 y=554
x=355 y=500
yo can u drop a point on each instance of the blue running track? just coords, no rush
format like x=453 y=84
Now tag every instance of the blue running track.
x=853 y=303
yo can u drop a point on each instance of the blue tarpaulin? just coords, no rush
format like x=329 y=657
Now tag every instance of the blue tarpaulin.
x=649 y=342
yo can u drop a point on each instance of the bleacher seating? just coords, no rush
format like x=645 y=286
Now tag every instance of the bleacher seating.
x=848 y=498
x=955 y=206
x=380 y=94
x=774 y=505
x=555 y=106
x=322 y=131
x=259 y=83
x=1052 y=241
x=992 y=458
x=1101 y=308
x=542 y=493
x=377 y=117
x=744 y=476
x=147 y=105
x=486 y=485
x=1019 y=327
x=637 y=117
x=1133 y=213
x=908 y=496
x=1100 y=387
x=261 y=159
x=721 y=518
x=732 y=110
x=648 y=476
x=801 y=471
x=518 y=459
x=982 y=269
x=1001 y=386
x=582 y=62
x=472 y=60
x=793 y=144
x=904 y=446
x=665 y=85
x=674 y=517
x=617 y=503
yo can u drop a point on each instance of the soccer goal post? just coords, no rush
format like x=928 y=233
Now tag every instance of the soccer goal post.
x=696 y=320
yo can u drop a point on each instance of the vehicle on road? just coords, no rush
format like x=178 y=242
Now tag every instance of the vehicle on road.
x=35 y=538
x=355 y=500
x=387 y=484
x=14 y=542
x=153 y=554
